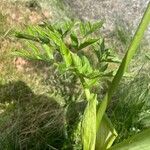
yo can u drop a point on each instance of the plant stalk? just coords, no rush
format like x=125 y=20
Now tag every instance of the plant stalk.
x=125 y=63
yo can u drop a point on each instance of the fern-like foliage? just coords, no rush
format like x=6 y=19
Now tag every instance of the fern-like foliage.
x=70 y=47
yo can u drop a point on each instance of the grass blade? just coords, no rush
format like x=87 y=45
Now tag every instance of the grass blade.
x=124 y=64
x=141 y=141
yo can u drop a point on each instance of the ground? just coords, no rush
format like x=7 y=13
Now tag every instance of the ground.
x=28 y=86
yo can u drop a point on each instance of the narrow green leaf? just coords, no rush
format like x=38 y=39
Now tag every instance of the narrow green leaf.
x=82 y=28
x=125 y=62
x=140 y=141
x=87 y=43
x=94 y=27
x=30 y=30
x=68 y=26
x=74 y=40
x=90 y=83
x=48 y=51
x=21 y=53
x=148 y=56
x=65 y=52
x=31 y=37
x=55 y=37
x=34 y=48
x=77 y=61
x=102 y=45
x=87 y=69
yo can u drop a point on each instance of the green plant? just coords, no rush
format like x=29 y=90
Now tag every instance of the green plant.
x=96 y=128
x=125 y=62
x=71 y=58
x=129 y=110
x=76 y=38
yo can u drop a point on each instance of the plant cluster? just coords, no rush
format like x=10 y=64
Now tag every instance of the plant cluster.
x=94 y=128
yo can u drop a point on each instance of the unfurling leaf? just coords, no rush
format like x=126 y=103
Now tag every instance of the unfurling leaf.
x=87 y=43
x=75 y=41
x=89 y=124
x=106 y=134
